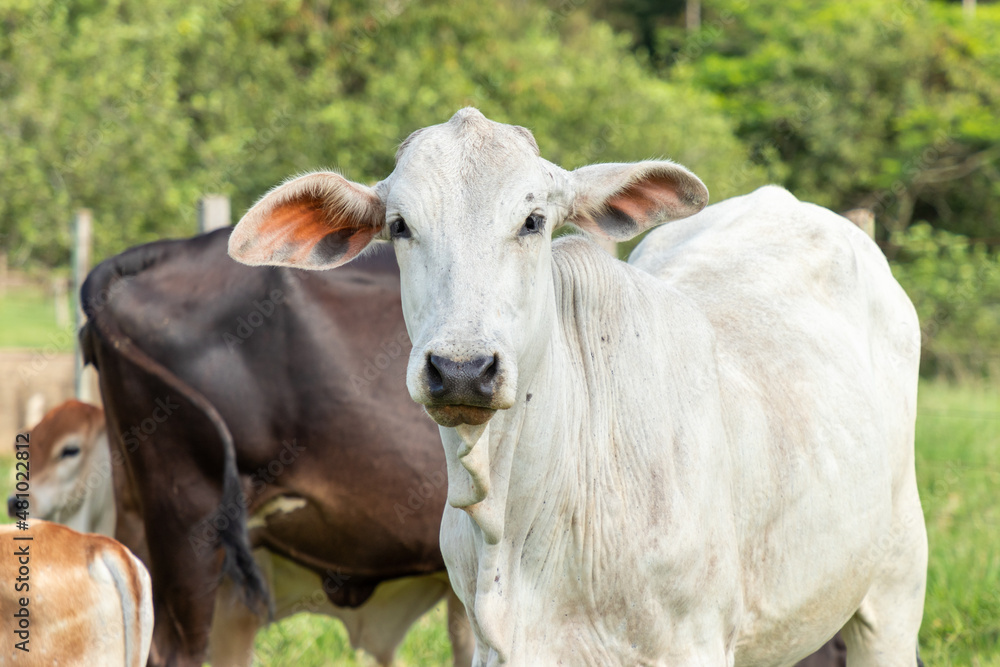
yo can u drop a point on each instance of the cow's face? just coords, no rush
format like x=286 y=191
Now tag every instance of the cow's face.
x=66 y=456
x=469 y=209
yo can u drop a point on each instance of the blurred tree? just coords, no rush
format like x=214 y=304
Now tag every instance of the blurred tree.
x=642 y=18
x=891 y=106
x=135 y=109
x=955 y=287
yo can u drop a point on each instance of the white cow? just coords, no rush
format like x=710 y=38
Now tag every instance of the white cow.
x=703 y=457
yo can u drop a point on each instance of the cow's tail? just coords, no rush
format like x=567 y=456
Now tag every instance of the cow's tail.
x=101 y=327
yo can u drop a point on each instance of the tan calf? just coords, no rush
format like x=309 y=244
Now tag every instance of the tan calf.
x=71 y=470
x=72 y=599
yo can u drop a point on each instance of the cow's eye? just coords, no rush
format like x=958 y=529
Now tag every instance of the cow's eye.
x=533 y=224
x=398 y=229
x=67 y=452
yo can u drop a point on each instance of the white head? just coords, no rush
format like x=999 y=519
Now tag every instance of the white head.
x=470 y=209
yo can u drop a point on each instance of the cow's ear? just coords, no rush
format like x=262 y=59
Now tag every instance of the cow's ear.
x=316 y=221
x=621 y=200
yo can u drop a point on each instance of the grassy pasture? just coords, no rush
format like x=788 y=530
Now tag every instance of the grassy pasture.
x=958 y=469
x=958 y=472
x=28 y=320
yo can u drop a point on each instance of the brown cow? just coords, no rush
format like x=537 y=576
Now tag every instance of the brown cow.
x=242 y=398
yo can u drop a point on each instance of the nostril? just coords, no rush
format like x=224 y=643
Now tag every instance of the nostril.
x=490 y=372
x=11 y=506
x=435 y=381
x=487 y=376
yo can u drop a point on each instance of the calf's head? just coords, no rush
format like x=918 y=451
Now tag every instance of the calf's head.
x=469 y=208
x=70 y=463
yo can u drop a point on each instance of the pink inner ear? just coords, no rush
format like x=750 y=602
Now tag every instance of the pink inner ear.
x=293 y=229
x=647 y=199
x=299 y=224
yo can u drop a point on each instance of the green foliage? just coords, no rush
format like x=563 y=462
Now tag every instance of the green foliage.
x=955 y=286
x=136 y=109
x=888 y=105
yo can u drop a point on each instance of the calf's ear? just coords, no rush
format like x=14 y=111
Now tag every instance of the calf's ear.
x=317 y=221
x=619 y=201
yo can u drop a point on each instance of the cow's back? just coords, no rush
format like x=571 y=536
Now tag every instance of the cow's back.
x=89 y=598
x=817 y=349
x=794 y=292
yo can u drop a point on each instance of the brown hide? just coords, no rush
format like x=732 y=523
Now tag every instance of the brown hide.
x=303 y=400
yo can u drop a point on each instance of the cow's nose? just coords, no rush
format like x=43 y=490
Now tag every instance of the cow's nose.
x=11 y=505
x=471 y=382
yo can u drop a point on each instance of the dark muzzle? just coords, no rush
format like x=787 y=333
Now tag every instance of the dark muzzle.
x=471 y=382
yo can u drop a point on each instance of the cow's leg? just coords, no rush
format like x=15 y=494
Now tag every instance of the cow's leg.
x=463 y=644
x=380 y=624
x=883 y=631
x=234 y=627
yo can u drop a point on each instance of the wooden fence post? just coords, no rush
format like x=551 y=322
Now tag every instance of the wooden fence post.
x=82 y=234
x=213 y=213
x=863 y=218
x=60 y=296
x=692 y=15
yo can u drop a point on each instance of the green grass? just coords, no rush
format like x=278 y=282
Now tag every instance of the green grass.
x=316 y=641
x=958 y=472
x=958 y=469
x=28 y=319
